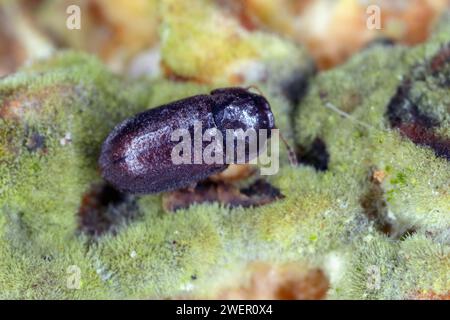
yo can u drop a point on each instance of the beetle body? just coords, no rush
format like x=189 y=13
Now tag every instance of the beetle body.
x=137 y=155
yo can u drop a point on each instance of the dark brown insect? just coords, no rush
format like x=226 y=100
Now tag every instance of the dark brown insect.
x=137 y=155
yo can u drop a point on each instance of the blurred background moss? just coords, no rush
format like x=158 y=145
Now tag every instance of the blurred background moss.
x=126 y=35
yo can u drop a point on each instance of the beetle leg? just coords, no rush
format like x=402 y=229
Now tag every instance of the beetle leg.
x=254 y=87
x=291 y=153
x=192 y=186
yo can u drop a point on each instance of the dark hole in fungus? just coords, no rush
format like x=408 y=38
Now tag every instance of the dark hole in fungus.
x=47 y=257
x=315 y=155
x=440 y=66
x=401 y=110
x=405 y=115
x=407 y=233
x=263 y=189
x=35 y=142
x=296 y=87
x=422 y=136
x=412 y=123
x=109 y=195
x=258 y=194
x=105 y=209
x=375 y=207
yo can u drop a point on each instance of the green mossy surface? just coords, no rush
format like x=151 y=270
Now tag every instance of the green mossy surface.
x=158 y=254
x=42 y=189
x=350 y=117
x=417 y=182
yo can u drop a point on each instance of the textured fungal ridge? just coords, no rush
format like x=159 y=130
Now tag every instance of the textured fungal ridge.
x=414 y=110
x=365 y=215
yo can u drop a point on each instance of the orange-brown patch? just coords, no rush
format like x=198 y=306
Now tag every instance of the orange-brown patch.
x=285 y=282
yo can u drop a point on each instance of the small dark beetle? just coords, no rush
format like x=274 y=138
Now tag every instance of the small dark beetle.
x=136 y=156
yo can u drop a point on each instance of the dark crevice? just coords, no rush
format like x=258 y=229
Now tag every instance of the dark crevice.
x=262 y=188
x=407 y=233
x=296 y=87
x=401 y=110
x=258 y=194
x=425 y=137
x=315 y=155
x=375 y=207
x=34 y=142
x=440 y=66
x=413 y=124
x=104 y=209
x=404 y=112
x=376 y=210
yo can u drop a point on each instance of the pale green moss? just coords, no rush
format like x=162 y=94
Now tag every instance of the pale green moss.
x=46 y=184
x=416 y=181
x=208 y=242
x=411 y=269
x=42 y=190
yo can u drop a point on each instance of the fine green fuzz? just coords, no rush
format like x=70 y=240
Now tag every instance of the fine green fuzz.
x=207 y=240
x=410 y=269
x=46 y=185
x=416 y=181
x=41 y=189
x=415 y=184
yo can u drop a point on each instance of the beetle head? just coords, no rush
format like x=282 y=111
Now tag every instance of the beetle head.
x=238 y=108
